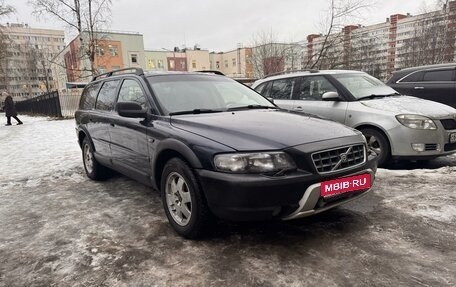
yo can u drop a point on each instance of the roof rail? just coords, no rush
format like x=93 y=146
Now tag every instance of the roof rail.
x=211 y=72
x=289 y=72
x=137 y=71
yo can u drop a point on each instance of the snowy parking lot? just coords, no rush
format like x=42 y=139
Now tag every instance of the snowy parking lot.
x=58 y=228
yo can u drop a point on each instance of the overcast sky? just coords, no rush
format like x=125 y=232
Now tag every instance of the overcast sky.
x=219 y=25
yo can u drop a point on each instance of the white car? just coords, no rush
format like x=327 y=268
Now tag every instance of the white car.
x=395 y=126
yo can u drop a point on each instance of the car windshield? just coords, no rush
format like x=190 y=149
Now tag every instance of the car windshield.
x=361 y=85
x=187 y=94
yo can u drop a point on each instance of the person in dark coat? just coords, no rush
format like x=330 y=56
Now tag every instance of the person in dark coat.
x=10 y=110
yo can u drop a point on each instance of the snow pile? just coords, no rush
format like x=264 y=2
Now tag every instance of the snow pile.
x=39 y=148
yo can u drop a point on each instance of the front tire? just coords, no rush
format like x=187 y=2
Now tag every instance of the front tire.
x=94 y=170
x=183 y=200
x=378 y=142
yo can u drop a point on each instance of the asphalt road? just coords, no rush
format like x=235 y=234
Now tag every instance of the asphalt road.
x=66 y=230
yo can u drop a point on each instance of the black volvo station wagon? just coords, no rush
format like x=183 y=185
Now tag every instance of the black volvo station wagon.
x=215 y=148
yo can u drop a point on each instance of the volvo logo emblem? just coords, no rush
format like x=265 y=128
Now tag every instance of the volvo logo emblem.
x=343 y=157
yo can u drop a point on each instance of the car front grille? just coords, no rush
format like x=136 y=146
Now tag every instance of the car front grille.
x=449 y=124
x=339 y=158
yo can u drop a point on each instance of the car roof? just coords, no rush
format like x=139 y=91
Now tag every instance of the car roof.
x=306 y=73
x=435 y=66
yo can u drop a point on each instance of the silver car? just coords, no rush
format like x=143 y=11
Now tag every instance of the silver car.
x=395 y=126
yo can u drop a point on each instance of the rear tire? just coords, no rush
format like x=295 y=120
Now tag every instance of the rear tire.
x=94 y=170
x=183 y=200
x=379 y=143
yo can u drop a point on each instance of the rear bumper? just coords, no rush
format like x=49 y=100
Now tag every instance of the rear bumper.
x=258 y=197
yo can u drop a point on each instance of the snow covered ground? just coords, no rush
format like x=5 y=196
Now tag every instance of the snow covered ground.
x=58 y=228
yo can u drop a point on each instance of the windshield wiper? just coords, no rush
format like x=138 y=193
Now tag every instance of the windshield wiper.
x=374 y=96
x=194 y=112
x=251 y=107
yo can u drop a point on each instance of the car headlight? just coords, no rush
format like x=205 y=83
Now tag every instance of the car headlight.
x=417 y=122
x=262 y=162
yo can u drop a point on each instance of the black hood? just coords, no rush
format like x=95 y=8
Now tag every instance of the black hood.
x=261 y=129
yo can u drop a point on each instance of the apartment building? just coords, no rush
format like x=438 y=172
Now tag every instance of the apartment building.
x=401 y=41
x=113 y=51
x=236 y=63
x=25 y=59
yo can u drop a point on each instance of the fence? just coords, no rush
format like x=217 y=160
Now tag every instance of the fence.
x=52 y=104
x=48 y=105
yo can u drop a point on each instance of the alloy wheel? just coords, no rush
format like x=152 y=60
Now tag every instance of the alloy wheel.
x=178 y=199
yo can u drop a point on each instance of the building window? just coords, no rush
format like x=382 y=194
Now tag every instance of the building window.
x=226 y=63
x=182 y=65
x=134 y=58
x=102 y=69
x=171 y=64
x=160 y=64
x=113 y=50
x=194 y=64
x=234 y=62
x=99 y=51
x=217 y=65
x=151 y=63
x=115 y=68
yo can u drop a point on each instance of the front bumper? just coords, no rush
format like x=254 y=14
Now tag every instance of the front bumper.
x=437 y=142
x=241 y=197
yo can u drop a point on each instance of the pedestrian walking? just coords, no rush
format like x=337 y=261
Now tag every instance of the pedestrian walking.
x=10 y=110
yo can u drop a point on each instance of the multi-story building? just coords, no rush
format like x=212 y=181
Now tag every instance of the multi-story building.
x=401 y=41
x=25 y=69
x=113 y=51
x=236 y=63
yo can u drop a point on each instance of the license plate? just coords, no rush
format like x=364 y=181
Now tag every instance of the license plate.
x=453 y=138
x=345 y=184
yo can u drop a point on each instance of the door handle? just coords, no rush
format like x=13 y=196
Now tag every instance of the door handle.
x=298 y=108
x=419 y=88
x=112 y=125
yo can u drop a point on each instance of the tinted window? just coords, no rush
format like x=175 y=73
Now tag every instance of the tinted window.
x=131 y=92
x=283 y=88
x=89 y=97
x=438 y=76
x=260 y=88
x=414 y=77
x=107 y=96
x=312 y=88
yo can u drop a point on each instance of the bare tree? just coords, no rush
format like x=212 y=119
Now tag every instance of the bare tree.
x=5 y=42
x=432 y=40
x=268 y=54
x=327 y=51
x=86 y=17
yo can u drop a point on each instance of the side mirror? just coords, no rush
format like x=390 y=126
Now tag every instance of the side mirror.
x=131 y=110
x=330 y=96
x=270 y=99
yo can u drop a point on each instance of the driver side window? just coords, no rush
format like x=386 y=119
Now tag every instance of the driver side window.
x=312 y=88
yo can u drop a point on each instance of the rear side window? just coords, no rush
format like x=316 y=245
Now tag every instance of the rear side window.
x=107 y=96
x=312 y=88
x=131 y=92
x=414 y=77
x=89 y=96
x=438 y=76
x=259 y=89
x=282 y=89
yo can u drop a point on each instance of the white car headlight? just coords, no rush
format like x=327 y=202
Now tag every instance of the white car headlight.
x=417 y=122
x=253 y=162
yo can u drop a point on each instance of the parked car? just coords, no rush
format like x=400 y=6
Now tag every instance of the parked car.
x=213 y=146
x=396 y=126
x=433 y=82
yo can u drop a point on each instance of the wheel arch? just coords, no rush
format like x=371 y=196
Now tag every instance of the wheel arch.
x=167 y=150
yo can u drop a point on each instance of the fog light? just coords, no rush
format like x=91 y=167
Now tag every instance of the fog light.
x=439 y=147
x=418 y=147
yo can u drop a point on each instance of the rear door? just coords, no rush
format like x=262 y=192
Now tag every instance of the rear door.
x=437 y=85
x=308 y=97
x=281 y=91
x=129 y=135
x=101 y=118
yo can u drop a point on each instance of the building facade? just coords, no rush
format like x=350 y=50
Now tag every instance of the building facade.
x=25 y=69
x=113 y=51
x=401 y=41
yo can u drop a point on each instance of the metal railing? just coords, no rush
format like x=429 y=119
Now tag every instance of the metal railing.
x=47 y=105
